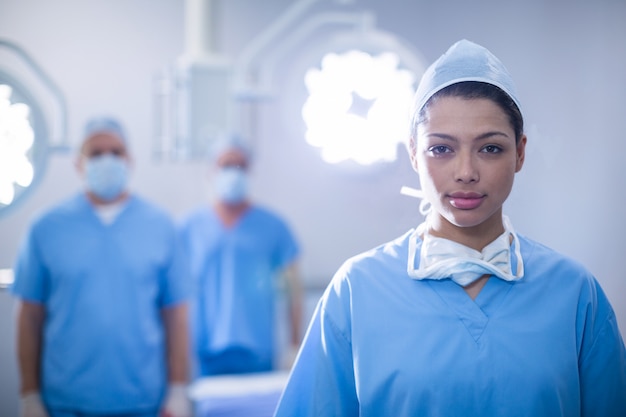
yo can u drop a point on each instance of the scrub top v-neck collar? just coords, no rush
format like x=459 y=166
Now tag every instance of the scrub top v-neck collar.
x=101 y=215
x=235 y=224
x=474 y=314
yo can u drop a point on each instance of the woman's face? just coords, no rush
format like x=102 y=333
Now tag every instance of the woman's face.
x=466 y=158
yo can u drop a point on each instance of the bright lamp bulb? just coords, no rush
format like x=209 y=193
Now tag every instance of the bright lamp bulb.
x=16 y=140
x=357 y=106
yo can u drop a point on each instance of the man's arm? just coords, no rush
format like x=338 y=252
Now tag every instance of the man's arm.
x=177 y=342
x=177 y=403
x=30 y=318
x=295 y=292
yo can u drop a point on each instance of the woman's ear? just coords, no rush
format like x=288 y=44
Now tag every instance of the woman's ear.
x=521 y=153
x=413 y=152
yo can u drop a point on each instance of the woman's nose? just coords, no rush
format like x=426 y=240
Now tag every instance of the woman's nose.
x=466 y=169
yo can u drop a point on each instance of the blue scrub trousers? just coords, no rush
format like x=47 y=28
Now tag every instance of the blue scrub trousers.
x=64 y=413
x=233 y=361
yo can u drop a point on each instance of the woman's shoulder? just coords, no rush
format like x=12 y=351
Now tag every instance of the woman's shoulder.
x=541 y=260
x=385 y=261
x=534 y=251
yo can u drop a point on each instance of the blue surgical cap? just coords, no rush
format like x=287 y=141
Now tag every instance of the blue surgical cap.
x=464 y=61
x=227 y=142
x=104 y=124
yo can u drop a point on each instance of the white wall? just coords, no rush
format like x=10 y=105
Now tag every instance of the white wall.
x=567 y=57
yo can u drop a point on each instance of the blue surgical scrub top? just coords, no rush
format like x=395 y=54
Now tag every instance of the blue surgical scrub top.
x=234 y=271
x=103 y=287
x=383 y=344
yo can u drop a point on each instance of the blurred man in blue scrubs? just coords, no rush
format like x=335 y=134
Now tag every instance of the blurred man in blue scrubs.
x=238 y=252
x=103 y=287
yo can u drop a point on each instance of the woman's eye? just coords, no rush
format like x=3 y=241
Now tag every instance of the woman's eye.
x=492 y=149
x=439 y=149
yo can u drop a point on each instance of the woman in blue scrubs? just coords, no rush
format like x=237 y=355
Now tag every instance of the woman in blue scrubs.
x=462 y=316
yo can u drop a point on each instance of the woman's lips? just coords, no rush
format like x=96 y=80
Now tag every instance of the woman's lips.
x=466 y=201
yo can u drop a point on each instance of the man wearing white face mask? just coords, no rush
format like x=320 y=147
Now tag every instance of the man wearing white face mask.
x=238 y=252
x=103 y=284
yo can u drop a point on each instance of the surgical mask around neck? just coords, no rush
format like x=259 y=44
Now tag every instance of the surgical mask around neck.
x=441 y=258
x=231 y=185
x=106 y=176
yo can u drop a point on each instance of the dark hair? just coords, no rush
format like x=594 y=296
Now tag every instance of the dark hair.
x=475 y=90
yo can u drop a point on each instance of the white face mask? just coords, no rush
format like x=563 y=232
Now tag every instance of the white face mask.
x=231 y=185
x=442 y=258
x=106 y=176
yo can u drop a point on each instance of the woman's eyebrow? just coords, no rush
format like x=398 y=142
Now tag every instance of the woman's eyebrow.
x=482 y=136
x=490 y=134
x=442 y=136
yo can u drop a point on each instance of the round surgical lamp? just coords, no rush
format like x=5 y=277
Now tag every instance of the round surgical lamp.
x=24 y=133
x=22 y=152
x=359 y=97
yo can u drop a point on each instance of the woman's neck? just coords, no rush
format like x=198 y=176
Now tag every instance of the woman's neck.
x=475 y=237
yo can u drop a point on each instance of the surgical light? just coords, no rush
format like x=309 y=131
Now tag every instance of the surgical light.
x=26 y=96
x=358 y=97
x=16 y=142
x=357 y=106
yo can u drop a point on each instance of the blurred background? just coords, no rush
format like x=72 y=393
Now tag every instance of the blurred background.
x=166 y=68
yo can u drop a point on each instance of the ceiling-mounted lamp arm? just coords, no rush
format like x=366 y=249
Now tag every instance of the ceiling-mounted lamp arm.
x=245 y=65
x=245 y=62
x=60 y=142
x=364 y=22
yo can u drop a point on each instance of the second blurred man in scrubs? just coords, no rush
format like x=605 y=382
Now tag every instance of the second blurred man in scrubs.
x=239 y=251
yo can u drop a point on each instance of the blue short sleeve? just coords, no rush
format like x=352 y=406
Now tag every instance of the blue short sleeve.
x=602 y=360
x=322 y=381
x=31 y=281
x=176 y=280
x=287 y=249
